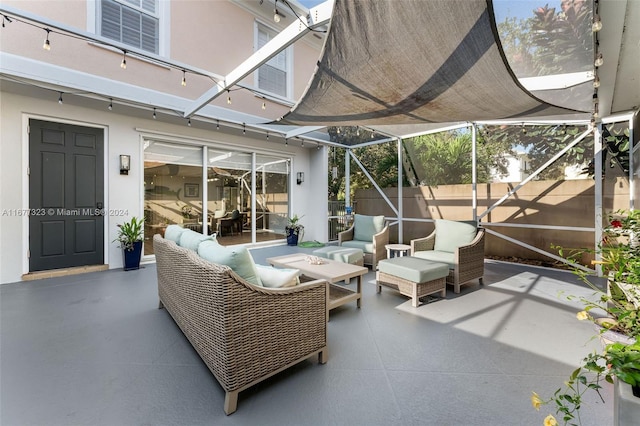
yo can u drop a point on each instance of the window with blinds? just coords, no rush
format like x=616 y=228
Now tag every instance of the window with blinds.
x=272 y=76
x=133 y=22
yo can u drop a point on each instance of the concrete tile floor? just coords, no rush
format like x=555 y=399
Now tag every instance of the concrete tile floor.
x=94 y=349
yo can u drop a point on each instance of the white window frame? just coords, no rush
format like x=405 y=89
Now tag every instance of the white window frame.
x=288 y=61
x=164 y=24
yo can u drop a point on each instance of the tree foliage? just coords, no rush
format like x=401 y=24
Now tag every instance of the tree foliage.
x=446 y=158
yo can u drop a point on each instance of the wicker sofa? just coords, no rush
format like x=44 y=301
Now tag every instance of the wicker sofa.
x=460 y=245
x=244 y=333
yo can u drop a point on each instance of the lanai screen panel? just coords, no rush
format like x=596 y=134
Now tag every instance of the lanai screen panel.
x=413 y=61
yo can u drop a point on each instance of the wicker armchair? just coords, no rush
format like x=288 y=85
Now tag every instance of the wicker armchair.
x=242 y=332
x=371 y=241
x=466 y=260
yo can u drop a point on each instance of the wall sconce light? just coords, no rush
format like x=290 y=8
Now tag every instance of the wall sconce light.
x=125 y=164
x=300 y=177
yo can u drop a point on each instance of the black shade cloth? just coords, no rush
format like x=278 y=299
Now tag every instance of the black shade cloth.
x=413 y=61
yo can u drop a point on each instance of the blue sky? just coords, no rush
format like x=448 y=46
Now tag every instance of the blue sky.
x=503 y=8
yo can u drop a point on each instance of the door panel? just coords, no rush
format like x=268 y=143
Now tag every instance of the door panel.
x=66 y=184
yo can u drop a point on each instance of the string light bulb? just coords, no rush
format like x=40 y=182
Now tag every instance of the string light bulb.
x=276 y=14
x=267 y=135
x=524 y=129
x=154 y=114
x=264 y=105
x=184 y=78
x=47 y=44
x=599 y=60
x=217 y=124
x=244 y=130
x=228 y=97
x=597 y=24
x=110 y=104
x=189 y=122
x=60 y=99
x=123 y=64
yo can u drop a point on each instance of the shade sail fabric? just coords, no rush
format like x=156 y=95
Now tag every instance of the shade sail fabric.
x=413 y=61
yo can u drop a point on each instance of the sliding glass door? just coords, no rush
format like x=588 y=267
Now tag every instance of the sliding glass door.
x=217 y=195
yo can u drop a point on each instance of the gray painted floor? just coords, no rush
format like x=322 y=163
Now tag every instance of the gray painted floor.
x=94 y=349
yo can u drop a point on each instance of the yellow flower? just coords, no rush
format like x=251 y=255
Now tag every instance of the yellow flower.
x=550 y=421
x=582 y=315
x=536 y=401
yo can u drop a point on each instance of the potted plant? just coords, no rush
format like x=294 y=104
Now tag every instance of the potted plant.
x=130 y=235
x=619 y=361
x=294 y=230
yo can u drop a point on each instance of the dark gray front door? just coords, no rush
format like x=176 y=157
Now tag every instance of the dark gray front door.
x=66 y=194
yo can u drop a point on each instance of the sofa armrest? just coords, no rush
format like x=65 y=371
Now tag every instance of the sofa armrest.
x=424 y=244
x=346 y=235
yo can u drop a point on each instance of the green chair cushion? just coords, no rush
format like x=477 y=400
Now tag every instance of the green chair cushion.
x=237 y=258
x=365 y=227
x=437 y=256
x=451 y=234
x=413 y=269
x=365 y=246
x=340 y=254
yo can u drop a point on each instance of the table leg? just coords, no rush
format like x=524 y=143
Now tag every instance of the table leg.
x=359 y=290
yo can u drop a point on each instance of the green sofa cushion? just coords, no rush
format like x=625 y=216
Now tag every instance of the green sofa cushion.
x=452 y=234
x=191 y=239
x=237 y=258
x=365 y=227
x=413 y=269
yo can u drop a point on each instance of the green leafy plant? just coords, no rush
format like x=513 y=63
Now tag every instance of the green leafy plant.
x=186 y=211
x=618 y=360
x=620 y=260
x=293 y=223
x=129 y=233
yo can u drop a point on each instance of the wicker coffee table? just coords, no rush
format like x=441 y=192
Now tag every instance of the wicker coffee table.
x=329 y=270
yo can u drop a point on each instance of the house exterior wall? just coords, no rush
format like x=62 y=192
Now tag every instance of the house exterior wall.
x=216 y=36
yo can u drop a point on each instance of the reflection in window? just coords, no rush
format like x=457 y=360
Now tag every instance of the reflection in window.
x=172 y=188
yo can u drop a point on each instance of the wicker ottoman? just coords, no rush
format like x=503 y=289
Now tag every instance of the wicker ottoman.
x=353 y=256
x=413 y=277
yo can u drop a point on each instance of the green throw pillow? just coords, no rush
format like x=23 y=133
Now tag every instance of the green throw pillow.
x=173 y=233
x=278 y=277
x=237 y=258
x=191 y=239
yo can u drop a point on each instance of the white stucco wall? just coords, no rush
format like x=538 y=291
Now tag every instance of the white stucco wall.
x=125 y=192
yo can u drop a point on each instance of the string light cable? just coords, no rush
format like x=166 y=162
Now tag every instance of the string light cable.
x=298 y=17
